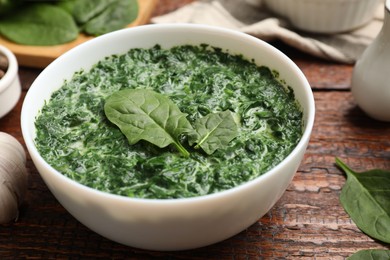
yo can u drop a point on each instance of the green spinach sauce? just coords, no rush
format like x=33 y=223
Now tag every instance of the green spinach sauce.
x=76 y=138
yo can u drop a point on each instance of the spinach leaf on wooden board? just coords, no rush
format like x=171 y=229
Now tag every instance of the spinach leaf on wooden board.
x=371 y=254
x=147 y=115
x=366 y=198
x=114 y=17
x=214 y=131
x=85 y=10
x=39 y=24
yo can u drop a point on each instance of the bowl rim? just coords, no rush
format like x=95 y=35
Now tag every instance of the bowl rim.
x=12 y=69
x=307 y=128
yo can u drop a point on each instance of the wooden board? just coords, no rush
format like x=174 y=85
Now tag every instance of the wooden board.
x=41 y=56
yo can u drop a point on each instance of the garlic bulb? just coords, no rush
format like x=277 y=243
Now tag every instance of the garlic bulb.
x=13 y=177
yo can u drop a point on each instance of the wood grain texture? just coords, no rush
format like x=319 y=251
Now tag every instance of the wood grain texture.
x=41 y=56
x=308 y=222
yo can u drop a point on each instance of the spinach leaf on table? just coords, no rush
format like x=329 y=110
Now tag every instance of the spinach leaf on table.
x=371 y=254
x=214 y=131
x=366 y=198
x=39 y=24
x=147 y=115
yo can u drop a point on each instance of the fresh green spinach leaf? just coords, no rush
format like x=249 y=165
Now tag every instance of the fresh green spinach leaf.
x=39 y=24
x=147 y=115
x=68 y=5
x=366 y=198
x=85 y=10
x=371 y=254
x=214 y=131
x=115 y=16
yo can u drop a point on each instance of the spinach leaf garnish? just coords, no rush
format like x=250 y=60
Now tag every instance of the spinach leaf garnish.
x=143 y=114
x=214 y=131
x=39 y=24
x=147 y=115
x=366 y=198
x=371 y=254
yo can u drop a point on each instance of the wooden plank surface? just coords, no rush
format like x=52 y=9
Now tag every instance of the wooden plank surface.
x=41 y=56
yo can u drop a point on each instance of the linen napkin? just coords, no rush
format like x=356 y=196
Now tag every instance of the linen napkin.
x=252 y=17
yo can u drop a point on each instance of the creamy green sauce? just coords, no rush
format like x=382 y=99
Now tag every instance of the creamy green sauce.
x=76 y=138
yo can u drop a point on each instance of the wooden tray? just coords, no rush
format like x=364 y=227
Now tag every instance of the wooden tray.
x=41 y=56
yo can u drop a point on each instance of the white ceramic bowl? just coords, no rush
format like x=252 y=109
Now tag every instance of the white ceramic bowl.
x=172 y=224
x=10 y=88
x=325 y=16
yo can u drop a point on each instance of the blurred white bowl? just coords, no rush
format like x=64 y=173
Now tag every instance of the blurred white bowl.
x=10 y=88
x=325 y=16
x=172 y=224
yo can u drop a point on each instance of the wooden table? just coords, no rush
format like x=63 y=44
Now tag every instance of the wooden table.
x=308 y=222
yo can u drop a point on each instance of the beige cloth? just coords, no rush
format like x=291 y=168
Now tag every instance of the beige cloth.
x=252 y=18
